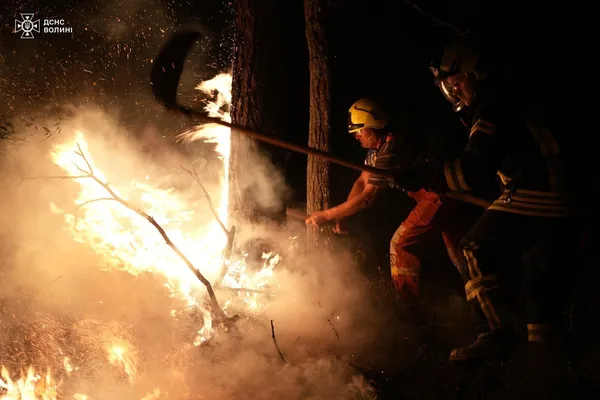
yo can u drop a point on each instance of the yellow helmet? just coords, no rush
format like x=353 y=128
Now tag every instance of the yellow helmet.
x=366 y=113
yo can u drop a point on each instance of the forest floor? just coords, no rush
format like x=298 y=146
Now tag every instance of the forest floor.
x=414 y=360
x=410 y=359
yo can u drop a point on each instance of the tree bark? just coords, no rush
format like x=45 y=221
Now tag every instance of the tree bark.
x=250 y=89
x=316 y=13
x=261 y=100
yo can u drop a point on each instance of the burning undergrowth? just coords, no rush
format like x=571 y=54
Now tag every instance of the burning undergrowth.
x=102 y=283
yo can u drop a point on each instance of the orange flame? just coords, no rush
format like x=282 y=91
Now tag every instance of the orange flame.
x=28 y=387
x=122 y=354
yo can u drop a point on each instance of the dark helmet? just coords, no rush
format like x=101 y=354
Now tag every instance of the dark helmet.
x=458 y=57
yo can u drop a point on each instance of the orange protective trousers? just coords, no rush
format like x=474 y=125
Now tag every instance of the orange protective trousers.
x=431 y=215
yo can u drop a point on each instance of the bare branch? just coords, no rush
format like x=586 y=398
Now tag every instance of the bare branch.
x=194 y=174
x=275 y=341
x=80 y=153
x=436 y=19
x=64 y=177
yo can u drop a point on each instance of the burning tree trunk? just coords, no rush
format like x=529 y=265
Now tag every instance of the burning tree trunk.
x=256 y=101
x=317 y=178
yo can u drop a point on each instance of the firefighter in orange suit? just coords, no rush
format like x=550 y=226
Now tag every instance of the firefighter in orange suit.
x=531 y=222
x=391 y=148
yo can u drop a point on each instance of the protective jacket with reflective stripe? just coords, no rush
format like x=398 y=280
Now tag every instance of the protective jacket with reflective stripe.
x=521 y=151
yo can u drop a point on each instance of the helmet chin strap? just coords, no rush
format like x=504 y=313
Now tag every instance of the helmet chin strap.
x=458 y=106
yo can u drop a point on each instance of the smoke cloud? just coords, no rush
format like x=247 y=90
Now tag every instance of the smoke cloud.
x=114 y=335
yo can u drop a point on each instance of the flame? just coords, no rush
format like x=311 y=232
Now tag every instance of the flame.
x=123 y=238
x=28 y=387
x=68 y=366
x=126 y=241
x=154 y=395
x=219 y=86
x=238 y=276
x=123 y=355
x=33 y=387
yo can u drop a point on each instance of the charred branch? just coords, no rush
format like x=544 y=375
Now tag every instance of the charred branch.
x=337 y=335
x=275 y=342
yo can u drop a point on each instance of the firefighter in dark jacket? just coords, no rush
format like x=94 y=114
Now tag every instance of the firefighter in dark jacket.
x=392 y=147
x=531 y=222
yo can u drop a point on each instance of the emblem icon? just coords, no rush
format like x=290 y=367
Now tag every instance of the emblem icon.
x=27 y=25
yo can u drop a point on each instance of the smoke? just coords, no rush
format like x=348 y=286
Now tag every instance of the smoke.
x=260 y=186
x=114 y=335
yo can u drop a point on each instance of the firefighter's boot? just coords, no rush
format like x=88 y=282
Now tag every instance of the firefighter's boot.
x=543 y=350
x=487 y=346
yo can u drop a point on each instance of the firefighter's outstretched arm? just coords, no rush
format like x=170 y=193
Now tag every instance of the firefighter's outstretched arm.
x=472 y=170
x=361 y=196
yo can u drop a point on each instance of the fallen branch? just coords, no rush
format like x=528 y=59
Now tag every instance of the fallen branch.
x=90 y=175
x=275 y=341
x=334 y=330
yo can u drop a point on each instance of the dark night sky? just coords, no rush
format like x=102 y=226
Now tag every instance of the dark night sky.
x=106 y=58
